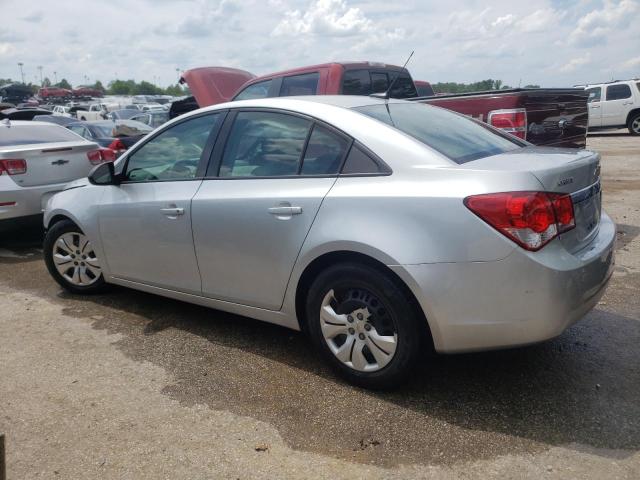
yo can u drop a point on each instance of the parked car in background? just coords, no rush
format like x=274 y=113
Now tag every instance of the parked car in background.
x=57 y=119
x=147 y=107
x=95 y=111
x=51 y=93
x=116 y=135
x=22 y=113
x=15 y=92
x=123 y=114
x=37 y=159
x=381 y=228
x=61 y=110
x=424 y=88
x=543 y=116
x=152 y=118
x=86 y=92
x=615 y=105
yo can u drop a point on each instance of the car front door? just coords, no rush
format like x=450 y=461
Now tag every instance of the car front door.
x=595 y=106
x=253 y=212
x=145 y=222
x=617 y=104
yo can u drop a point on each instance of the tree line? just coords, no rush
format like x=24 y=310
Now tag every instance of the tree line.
x=115 y=87
x=483 y=85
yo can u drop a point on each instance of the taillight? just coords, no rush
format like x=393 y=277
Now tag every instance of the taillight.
x=118 y=147
x=12 y=166
x=531 y=219
x=513 y=121
x=102 y=155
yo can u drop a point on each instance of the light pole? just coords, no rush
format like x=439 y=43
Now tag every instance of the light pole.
x=40 y=68
x=20 y=64
x=55 y=77
x=178 y=73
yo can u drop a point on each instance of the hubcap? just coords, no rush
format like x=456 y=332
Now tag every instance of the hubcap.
x=75 y=259
x=635 y=125
x=358 y=330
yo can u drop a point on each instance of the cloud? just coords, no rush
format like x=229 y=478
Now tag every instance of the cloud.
x=6 y=49
x=324 y=17
x=632 y=63
x=34 y=17
x=207 y=20
x=541 y=20
x=595 y=26
x=573 y=64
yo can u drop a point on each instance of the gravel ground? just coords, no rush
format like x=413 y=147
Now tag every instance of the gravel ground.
x=132 y=386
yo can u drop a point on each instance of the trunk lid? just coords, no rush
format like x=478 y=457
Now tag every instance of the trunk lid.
x=559 y=170
x=51 y=163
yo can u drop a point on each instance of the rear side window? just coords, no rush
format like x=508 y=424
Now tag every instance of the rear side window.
x=324 y=152
x=403 y=86
x=594 y=94
x=618 y=92
x=257 y=90
x=264 y=144
x=359 y=162
x=34 y=134
x=306 y=84
x=458 y=138
x=356 y=82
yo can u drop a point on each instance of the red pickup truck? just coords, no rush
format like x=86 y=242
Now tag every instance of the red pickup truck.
x=544 y=116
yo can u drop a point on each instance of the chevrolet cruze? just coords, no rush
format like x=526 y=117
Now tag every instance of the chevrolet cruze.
x=382 y=228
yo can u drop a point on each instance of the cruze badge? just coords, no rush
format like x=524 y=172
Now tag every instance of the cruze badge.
x=565 y=181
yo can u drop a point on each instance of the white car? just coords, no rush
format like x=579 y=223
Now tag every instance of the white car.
x=61 y=111
x=37 y=159
x=615 y=105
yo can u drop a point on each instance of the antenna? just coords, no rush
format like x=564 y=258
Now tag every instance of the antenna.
x=386 y=94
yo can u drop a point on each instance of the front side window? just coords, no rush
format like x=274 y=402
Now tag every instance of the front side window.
x=455 y=136
x=324 y=152
x=175 y=153
x=306 y=84
x=618 y=92
x=82 y=131
x=264 y=144
x=594 y=94
x=257 y=90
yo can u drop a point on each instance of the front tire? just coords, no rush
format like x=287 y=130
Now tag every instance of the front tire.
x=634 y=124
x=71 y=259
x=364 y=325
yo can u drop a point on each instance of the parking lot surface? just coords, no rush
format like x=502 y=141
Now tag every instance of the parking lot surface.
x=130 y=385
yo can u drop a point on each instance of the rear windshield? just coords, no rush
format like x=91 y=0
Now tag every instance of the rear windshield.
x=458 y=138
x=34 y=134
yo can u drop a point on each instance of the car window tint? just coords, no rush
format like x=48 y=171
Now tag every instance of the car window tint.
x=174 y=154
x=618 y=92
x=34 y=134
x=324 y=152
x=264 y=144
x=455 y=136
x=594 y=94
x=425 y=90
x=306 y=84
x=257 y=90
x=356 y=82
x=379 y=82
x=360 y=162
x=403 y=86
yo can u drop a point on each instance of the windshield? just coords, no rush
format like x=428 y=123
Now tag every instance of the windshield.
x=458 y=138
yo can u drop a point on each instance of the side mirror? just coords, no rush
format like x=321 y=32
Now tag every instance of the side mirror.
x=104 y=174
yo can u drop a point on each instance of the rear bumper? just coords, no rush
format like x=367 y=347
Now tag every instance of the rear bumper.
x=24 y=201
x=525 y=298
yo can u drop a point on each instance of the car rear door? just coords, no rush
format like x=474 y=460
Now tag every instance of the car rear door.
x=258 y=202
x=145 y=222
x=618 y=102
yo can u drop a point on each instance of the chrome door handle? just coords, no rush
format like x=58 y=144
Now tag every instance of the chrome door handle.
x=172 y=212
x=627 y=103
x=595 y=106
x=285 y=210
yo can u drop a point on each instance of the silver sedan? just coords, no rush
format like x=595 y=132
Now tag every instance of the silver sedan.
x=382 y=228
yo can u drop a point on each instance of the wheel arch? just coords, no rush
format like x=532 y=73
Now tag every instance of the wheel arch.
x=631 y=114
x=328 y=259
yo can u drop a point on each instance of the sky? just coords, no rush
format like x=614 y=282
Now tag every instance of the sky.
x=550 y=43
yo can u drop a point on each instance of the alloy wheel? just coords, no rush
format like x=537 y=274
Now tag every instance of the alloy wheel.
x=359 y=329
x=75 y=260
x=635 y=125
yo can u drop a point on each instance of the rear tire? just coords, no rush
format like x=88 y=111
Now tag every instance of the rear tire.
x=634 y=124
x=71 y=259
x=364 y=325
